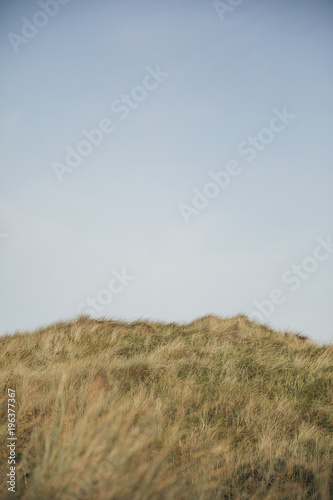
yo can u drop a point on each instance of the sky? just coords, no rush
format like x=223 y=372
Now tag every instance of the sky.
x=166 y=160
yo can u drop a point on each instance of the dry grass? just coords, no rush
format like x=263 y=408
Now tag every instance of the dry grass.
x=215 y=409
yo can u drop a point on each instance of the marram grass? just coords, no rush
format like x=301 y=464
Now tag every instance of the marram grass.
x=214 y=409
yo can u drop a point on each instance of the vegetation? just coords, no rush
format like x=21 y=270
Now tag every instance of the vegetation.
x=214 y=409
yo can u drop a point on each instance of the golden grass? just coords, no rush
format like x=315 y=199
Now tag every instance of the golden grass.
x=214 y=409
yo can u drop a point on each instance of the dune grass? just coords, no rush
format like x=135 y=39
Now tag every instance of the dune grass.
x=214 y=409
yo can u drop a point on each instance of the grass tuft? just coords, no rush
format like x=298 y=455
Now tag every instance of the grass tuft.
x=214 y=409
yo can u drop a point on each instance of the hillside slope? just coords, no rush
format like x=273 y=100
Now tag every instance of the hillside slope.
x=214 y=409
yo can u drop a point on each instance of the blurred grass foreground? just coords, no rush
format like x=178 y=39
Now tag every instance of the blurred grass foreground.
x=214 y=409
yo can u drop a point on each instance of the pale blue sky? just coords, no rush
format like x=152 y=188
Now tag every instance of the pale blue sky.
x=120 y=207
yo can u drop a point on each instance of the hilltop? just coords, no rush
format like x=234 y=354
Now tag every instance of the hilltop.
x=214 y=409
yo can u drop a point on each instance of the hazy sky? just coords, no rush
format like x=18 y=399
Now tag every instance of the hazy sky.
x=183 y=91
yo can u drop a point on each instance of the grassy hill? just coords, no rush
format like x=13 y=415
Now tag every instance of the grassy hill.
x=214 y=409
